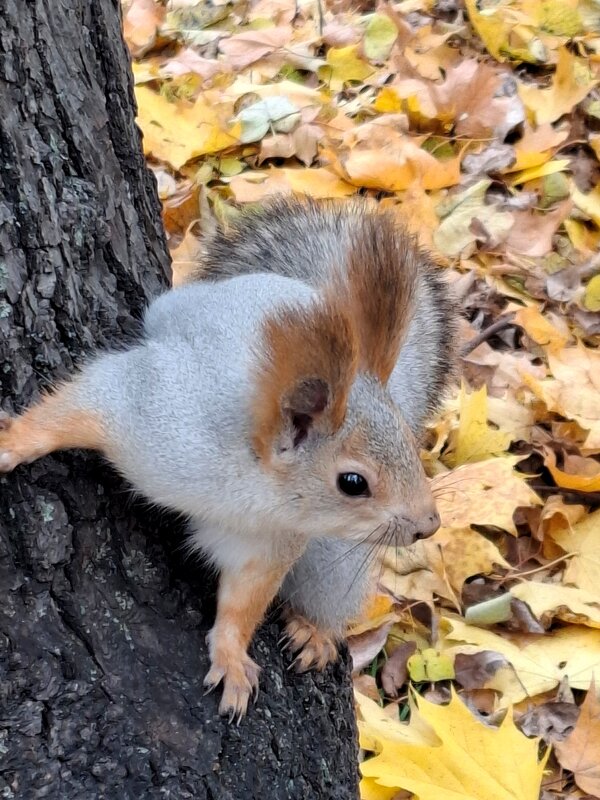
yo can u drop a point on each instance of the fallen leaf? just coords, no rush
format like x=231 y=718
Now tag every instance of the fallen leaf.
x=571 y=83
x=580 y=750
x=538 y=663
x=484 y=493
x=429 y=665
x=141 y=24
x=553 y=721
x=467 y=758
x=551 y=600
x=474 y=439
x=465 y=554
x=474 y=670
x=177 y=133
x=540 y=329
x=344 y=65
x=585 y=478
x=365 y=646
x=455 y=232
x=572 y=391
x=243 y=49
x=395 y=670
x=273 y=113
x=380 y=35
x=583 y=540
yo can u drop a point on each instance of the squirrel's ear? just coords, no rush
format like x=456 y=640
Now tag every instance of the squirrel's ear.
x=307 y=401
x=307 y=363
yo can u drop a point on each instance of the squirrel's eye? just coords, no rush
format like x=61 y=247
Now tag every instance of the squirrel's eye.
x=353 y=484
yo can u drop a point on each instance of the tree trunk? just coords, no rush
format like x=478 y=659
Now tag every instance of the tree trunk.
x=102 y=622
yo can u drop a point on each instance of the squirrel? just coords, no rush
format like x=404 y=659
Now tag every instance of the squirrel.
x=277 y=401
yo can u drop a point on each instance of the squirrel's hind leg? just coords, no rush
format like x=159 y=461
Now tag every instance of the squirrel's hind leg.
x=54 y=423
x=326 y=589
x=314 y=648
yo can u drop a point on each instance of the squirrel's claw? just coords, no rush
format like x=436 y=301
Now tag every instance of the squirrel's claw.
x=313 y=647
x=239 y=675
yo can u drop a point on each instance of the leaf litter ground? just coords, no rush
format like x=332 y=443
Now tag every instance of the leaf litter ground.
x=479 y=123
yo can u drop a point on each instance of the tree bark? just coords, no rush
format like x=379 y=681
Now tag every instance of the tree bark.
x=102 y=622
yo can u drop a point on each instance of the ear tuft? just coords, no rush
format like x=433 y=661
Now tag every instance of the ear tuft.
x=380 y=283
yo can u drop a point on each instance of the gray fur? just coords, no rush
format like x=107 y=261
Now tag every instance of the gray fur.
x=178 y=406
x=306 y=241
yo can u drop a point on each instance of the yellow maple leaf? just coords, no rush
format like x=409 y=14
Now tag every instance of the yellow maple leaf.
x=536 y=663
x=465 y=553
x=572 y=82
x=474 y=440
x=483 y=493
x=583 y=540
x=344 y=64
x=177 y=133
x=467 y=761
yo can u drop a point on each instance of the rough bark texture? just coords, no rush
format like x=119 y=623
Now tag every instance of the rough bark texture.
x=102 y=623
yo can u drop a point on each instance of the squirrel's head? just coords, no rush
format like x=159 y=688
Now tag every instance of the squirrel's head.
x=324 y=425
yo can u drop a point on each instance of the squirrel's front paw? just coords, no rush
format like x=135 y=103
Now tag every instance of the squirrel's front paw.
x=10 y=457
x=313 y=647
x=239 y=675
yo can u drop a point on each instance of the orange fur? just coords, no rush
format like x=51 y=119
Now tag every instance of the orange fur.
x=52 y=424
x=302 y=344
x=380 y=285
x=243 y=599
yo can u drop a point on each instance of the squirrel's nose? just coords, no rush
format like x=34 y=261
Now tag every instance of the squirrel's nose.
x=427 y=525
x=419 y=525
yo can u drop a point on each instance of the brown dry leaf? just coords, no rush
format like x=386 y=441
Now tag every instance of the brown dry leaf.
x=552 y=721
x=580 y=752
x=188 y=61
x=474 y=670
x=395 y=670
x=556 y=517
x=481 y=99
x=532 y=233
x=365 y=646
x=583 y=540
x=244 y=49
x=484 y=493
